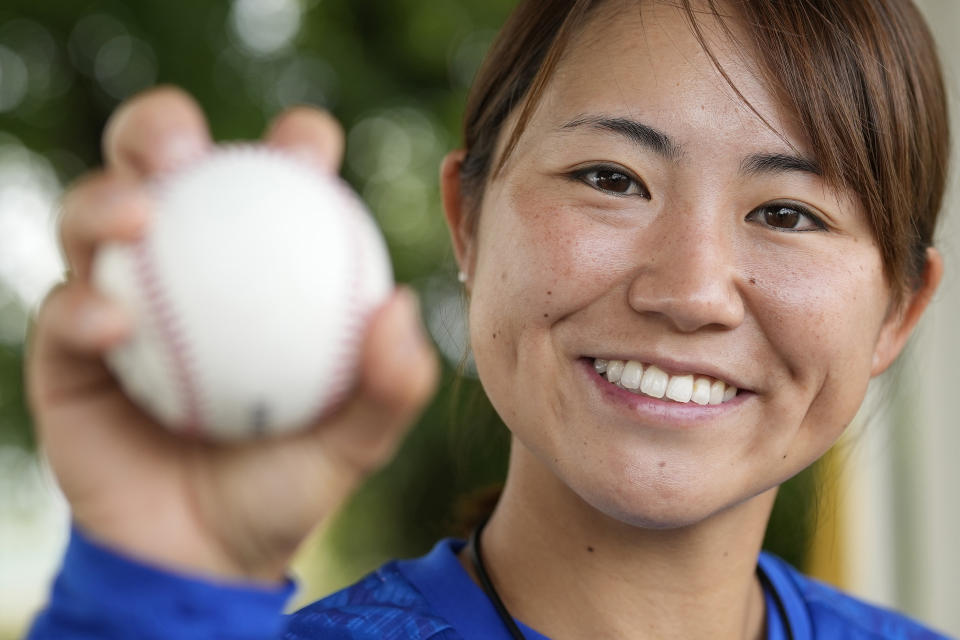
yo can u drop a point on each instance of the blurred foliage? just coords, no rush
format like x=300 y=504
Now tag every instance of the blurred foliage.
x=395 y=72
x=14 y=420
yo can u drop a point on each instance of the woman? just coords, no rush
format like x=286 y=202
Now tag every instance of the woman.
x=690 y=236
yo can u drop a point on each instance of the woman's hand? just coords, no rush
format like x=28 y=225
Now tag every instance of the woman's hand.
x=236 y=511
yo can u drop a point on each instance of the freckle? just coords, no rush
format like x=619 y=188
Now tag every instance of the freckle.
x=753 y=281
x=590 y=549
x=546 y=315
x=662 y=465
x=494 y=336
x=784 y=456
x=503 y=276
x=726 y=553
x=549 y=293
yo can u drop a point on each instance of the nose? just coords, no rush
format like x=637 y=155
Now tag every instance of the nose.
x=687 y=272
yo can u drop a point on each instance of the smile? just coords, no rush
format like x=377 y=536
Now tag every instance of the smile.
x=651 y=381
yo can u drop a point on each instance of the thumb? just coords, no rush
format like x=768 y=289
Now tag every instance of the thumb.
x=398 y=376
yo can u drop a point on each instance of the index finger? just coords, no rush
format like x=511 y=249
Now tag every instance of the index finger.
x=155 y=131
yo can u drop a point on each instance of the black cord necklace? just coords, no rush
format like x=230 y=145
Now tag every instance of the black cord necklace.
x=476 y=557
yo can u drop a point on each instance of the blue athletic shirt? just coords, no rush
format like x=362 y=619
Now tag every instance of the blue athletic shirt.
x=101 y=594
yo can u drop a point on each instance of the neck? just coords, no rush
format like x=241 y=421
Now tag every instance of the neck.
x=594 y=576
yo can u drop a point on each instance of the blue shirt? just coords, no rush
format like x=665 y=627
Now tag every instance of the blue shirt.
x=100 y=594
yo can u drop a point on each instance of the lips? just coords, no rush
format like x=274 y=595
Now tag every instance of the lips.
x=649 y=380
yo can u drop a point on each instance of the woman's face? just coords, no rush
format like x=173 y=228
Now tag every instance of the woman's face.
x=648 y=216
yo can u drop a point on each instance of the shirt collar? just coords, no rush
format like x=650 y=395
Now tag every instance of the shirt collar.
x=451 y=592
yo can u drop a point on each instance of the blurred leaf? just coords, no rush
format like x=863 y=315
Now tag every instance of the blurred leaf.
x=15 y=423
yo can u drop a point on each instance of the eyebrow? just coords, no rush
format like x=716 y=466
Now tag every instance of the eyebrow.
x=660 y=143
x=760 y=163
x=640 y=134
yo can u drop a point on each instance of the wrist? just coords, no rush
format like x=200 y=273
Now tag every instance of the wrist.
x=178 y=550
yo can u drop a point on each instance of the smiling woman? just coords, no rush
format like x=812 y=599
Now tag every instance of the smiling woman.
x=691 y=233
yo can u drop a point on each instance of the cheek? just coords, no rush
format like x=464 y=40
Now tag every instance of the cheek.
x=538 y=261
x=822 y=316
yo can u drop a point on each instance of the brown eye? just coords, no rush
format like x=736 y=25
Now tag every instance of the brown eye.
x=612 y=180
x=781 y=217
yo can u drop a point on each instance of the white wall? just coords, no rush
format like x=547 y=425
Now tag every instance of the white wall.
x=904 y=495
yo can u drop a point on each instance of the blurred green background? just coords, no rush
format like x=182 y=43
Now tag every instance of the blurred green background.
x=396 y=74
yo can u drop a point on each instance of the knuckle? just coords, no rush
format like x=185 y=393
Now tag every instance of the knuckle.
x=62 y=297
x=53 y=306
x=375 y=453
x=89 y=209
x=52 y=299
x=421 y=381
x=88 y=188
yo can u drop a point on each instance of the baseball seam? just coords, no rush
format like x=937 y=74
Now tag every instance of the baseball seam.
x=349 y=356
x=177 y=343
x=171 y=335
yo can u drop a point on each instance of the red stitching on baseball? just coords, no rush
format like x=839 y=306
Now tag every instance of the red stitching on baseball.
x=345 y=374
x=170 y=334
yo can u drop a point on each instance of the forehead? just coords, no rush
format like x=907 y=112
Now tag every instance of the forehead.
x=644 y=60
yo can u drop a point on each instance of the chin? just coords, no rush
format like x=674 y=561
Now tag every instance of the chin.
x=660 y=503
x=650 y=513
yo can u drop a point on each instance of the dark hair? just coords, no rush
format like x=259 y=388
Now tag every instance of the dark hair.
x=862 y=76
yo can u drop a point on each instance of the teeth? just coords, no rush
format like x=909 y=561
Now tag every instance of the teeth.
x=701 y=390
x=656 y=383
x=680 y=388
x=632 y=373
x=614 y=369
x=729 y=393
x=716 y=392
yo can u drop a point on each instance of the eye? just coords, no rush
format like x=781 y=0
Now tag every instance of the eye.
x=786 y=217
x=612 y=180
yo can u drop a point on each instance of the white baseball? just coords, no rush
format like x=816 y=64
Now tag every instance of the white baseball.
x=250 y=294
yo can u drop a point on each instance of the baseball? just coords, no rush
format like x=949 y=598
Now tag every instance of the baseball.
x=250 y=294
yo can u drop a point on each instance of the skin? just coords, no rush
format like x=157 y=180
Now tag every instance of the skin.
x=617 y=520
x=661 y=508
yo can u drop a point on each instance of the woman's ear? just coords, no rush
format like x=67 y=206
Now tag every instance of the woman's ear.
x=456 y=211
x=901 y=321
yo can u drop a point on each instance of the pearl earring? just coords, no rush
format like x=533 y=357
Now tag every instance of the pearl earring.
x=461 y=277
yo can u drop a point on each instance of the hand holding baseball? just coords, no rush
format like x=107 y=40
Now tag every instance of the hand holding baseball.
x=233 y=511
